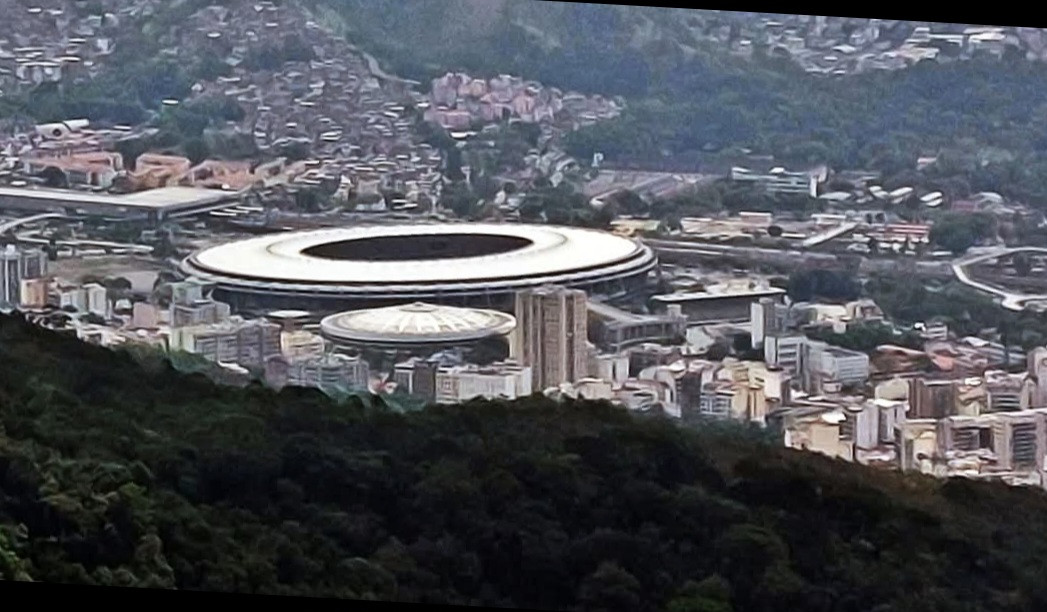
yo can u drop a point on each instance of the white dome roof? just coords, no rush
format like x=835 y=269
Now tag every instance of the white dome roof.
x=416 y=323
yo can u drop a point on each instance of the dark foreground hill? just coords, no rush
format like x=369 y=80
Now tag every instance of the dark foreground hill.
x=116 y=473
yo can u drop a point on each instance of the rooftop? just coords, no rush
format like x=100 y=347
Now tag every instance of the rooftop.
x=153 y=199
x=416 y=323
x=713 y=295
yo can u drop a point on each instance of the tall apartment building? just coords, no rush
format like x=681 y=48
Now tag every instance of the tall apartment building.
x=187 y=292
x=551 y=335
x=17 y=265
x=716 y=399
x=766 y=317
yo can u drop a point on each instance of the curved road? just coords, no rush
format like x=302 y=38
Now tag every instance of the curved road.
x=1010 y=300
x=10 y=225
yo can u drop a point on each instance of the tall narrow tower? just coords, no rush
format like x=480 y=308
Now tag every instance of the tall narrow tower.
x=551 y=335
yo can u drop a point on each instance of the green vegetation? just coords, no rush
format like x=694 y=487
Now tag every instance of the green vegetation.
x=688 y=99
x=866 y=337
x=966 y=311
x=907 y=299
x=958 y=232
x=582 y=46
x=122 y=472
x=806 y=285
x=984 y=115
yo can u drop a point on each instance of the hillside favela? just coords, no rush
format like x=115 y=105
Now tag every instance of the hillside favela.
x=523 y=304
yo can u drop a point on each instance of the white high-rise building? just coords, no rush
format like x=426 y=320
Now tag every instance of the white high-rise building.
x=763 y=320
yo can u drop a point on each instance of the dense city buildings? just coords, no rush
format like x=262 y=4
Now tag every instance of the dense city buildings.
x=436 y=239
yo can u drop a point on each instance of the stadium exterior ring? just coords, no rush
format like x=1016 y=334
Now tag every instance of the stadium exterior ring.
x=468 y=264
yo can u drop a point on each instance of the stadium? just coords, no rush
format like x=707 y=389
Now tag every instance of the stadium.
x=473 y=265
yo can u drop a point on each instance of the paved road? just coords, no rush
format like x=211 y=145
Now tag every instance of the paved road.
x=10 y=225
x=1010 y=300
x=677 y=249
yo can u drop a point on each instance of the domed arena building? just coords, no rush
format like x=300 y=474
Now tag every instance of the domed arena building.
x=415 y=326
x=467 y=264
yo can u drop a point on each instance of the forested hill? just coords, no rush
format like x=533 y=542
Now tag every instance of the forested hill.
x=596 y=48
x=688 y=99
x=113 y=473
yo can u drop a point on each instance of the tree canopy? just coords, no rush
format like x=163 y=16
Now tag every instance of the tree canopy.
x=118 y=470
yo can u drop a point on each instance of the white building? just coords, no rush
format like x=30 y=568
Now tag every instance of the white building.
x=499 y=380
x=95 y=299
x=780 y=181
x=763 y=320
x=785 y=351
x=71 y=296
x=838 y=365
x=610 y=367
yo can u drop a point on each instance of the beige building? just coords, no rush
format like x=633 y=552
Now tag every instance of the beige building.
x=551 y=335
x=144 y=316
x=298 y=345
x=34 y=292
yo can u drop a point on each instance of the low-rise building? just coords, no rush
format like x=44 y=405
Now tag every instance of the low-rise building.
x=247 y=343
x=507 y=380
x=330 y=372
x=615 y=329
x=781 y=181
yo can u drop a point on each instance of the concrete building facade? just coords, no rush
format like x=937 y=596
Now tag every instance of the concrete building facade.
x=552 y=334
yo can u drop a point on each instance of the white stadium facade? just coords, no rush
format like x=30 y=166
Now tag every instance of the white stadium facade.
x=469 y=264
